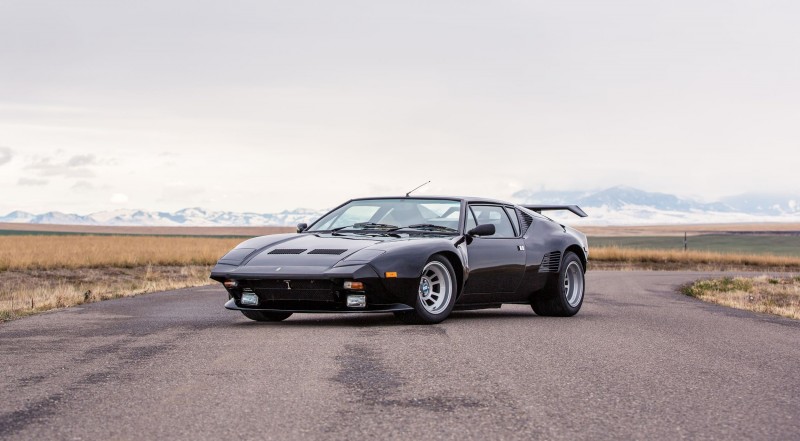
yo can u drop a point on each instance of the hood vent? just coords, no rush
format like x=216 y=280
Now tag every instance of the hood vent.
x=331 y=251
x=287 y=251
x=550 y=262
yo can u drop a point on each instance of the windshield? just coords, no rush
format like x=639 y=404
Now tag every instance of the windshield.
x=438 y=215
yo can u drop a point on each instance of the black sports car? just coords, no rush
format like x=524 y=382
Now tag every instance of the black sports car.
x=418 y=257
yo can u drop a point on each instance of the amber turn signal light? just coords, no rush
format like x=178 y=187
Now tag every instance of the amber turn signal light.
x=391 y=275
x=358 y=286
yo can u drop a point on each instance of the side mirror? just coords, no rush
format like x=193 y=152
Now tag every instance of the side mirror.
x=302 y=227
x=482 y=230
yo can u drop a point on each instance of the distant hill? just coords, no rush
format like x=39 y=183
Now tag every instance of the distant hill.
x=626 y=205
x=195 y=217
x=619 y=205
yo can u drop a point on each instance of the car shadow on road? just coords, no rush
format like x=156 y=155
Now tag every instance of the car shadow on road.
x=382 y=319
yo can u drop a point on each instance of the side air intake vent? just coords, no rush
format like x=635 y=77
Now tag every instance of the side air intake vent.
x=287 y=251
x=550 y=262
x=525 y=221
x=331 y=251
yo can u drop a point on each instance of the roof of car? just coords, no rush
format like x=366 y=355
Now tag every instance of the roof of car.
x=459 y=198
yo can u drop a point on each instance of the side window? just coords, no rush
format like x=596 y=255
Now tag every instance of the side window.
x=470 y=220
x=492 y=214
x=512 y=214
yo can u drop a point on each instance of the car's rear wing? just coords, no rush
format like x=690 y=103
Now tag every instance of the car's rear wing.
x=573 y=208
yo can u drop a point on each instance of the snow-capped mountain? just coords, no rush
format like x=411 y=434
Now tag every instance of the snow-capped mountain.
x=18 y=217
x=195 y=217
x=764 y=203
x=613 y=206
x=623 y=205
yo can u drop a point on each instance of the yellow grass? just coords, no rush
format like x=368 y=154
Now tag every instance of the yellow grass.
x=147 y=231
x=26 y=292
x=44 y=252
x=779 y=296
x=38 y=273
x=690 y=229
x=59 y=271
x=672 y=258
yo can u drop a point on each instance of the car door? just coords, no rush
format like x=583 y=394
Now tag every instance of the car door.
x=496 y=263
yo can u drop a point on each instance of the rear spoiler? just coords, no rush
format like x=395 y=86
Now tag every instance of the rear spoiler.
x=573 y=208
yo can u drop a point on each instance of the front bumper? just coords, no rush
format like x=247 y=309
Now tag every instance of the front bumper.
x=302 y=289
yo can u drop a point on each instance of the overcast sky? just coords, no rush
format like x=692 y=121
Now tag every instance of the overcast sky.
x=264 y=106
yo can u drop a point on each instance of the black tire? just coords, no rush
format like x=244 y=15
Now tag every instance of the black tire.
x=267 y=316
x=563 y=295
x=428 y=308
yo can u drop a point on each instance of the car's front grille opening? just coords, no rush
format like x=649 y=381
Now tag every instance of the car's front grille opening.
x=331 y=251
x=293 y=289
x=287 y=251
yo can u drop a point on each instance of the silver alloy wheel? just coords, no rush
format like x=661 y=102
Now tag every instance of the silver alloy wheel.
x=435 y=287
x=573 y=283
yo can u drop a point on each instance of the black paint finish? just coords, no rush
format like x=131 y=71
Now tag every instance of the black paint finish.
x=490 y=270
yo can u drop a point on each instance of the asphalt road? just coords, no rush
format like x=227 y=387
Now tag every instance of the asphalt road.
x=638 y=362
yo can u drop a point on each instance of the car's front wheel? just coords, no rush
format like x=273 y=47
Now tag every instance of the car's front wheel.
x=436 y=293
x=563 y=296
x=267 y=316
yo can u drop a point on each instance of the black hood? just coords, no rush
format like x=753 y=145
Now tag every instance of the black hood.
x=313 y=250
x=304 y=254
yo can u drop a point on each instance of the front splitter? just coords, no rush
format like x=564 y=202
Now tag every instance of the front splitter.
x=334 y=308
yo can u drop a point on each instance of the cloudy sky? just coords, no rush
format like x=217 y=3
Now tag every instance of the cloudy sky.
x=262 y=105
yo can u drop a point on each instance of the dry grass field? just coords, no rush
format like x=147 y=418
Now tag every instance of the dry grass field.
x=38 y=273
x=145 y=231
x=771 y=295
x=632 y=258
x=691 y=229
x=30 y=291
x=47 y=252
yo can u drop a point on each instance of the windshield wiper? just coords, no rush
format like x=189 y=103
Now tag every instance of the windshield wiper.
x=365 y=226
x=429 y=227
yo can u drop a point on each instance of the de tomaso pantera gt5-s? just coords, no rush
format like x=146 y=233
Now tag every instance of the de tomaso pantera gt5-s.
x=417 y=257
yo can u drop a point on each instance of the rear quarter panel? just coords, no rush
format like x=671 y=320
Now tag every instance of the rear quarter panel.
x=543 y=236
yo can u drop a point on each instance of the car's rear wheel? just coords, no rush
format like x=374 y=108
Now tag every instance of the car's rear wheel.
x=436 y=293
x=563 y=296
x=266 y=316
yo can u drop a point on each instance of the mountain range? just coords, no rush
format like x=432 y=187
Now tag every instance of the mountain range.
x=618 y=205
x=196 y=217
x=622 y=205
